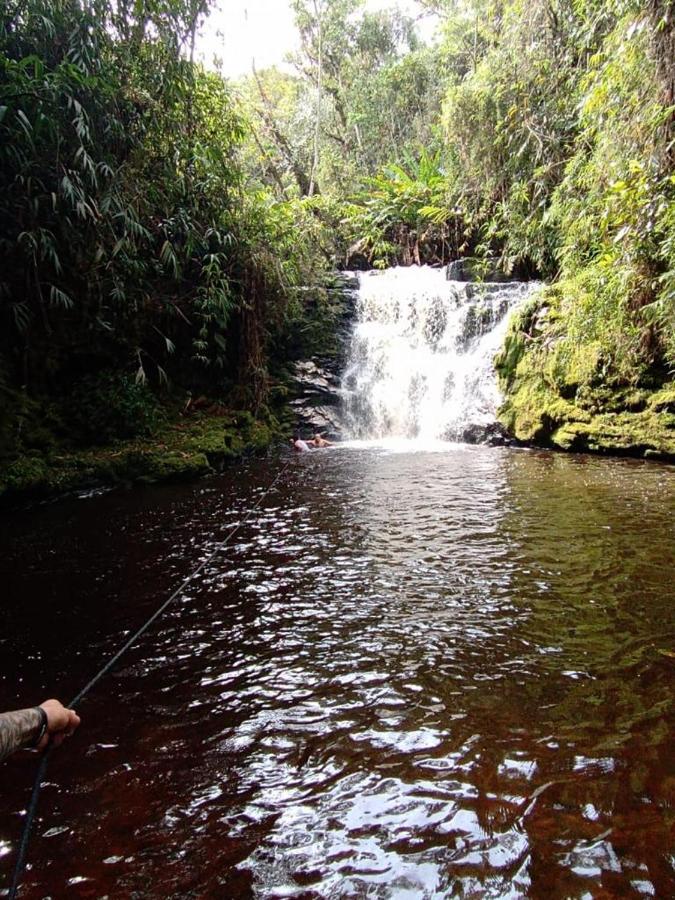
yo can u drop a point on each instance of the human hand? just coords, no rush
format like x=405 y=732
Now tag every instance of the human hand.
x=61 y=723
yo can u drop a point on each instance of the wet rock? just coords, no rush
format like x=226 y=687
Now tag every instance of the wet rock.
x=317 y=398
x=493 y=434
x=479 y=320
x=454 y=271
x=347 y=281
x=481 y=289
x=311 y=419
x=311 y=379
x=315 y=395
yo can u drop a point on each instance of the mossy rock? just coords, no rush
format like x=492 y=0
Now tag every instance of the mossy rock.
x=172 y=467
x=664 y=399
x=184 y=449
x=557 y=394
x=259 y=436
x=572 y=368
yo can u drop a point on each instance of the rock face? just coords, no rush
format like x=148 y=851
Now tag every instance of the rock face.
x=315 y=387
x=557 y=392
x=316 y=404
x=468 y=269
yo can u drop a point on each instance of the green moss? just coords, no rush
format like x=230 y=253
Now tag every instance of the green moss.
x=150 y=465
x=663 y=400
x=259 y=436
x=24 y=474
x=183 y=449
x=571 y=394
x=572 y=367
x=632 y=434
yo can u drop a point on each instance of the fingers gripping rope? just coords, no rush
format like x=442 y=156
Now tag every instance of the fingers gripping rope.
x=42 y=768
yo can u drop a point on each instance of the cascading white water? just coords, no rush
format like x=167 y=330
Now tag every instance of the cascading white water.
x=421 y=357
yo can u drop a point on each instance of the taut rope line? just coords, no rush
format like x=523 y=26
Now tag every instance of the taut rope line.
x=42 y=768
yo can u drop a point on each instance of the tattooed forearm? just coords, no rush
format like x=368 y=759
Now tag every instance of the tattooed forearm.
x=17 y=729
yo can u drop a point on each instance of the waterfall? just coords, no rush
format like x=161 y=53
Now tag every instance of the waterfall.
x=420 y=362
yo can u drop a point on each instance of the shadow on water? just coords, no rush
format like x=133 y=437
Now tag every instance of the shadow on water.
x=411 y=675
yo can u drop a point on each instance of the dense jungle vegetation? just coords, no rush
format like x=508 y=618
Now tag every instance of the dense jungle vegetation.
x=164 y=230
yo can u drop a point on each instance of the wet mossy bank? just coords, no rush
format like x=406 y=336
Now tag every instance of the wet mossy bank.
x=580 y=392
x=183 y=448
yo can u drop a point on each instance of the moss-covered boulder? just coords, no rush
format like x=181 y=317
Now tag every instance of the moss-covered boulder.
x=575 y=392
x=184 y=448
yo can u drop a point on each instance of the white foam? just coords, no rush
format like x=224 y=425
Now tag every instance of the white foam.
x=421 y=355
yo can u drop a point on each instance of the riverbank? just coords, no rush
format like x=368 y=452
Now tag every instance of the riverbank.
x=568 y=392
x=183 y=448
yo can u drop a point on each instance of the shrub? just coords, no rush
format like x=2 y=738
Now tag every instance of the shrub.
x=110 y=406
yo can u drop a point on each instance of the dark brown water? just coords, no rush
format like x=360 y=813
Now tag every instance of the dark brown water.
x=412 y=675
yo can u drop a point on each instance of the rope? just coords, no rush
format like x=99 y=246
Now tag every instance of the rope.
x=30 y=815
x=42 y=768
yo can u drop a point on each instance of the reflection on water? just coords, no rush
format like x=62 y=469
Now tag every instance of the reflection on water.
x=413 y=675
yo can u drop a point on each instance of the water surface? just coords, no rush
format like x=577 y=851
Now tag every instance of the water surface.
x=411 y=675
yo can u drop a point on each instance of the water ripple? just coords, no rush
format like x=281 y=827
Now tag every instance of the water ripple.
x=411 y=675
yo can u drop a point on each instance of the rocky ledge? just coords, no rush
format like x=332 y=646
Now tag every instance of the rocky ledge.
x=184 y=448
x=316 y=387
x=315 y=395
x=566 y=396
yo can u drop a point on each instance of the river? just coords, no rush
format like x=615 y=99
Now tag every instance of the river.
x=413 y=674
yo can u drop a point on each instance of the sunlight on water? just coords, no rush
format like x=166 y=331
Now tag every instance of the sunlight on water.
x=410 y=675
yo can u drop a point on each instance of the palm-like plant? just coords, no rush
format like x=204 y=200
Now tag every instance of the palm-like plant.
x=402 y=213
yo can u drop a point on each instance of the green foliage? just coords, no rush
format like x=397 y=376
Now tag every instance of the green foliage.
x=615 y=207
x=364 y=95
x=402 y=214
x=559 y=152
x=157 y=224
x=115 y=159
x=510 y=121
x=131 y=238
x=107 y=407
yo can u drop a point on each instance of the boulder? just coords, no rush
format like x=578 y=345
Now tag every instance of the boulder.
x=493 y=434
